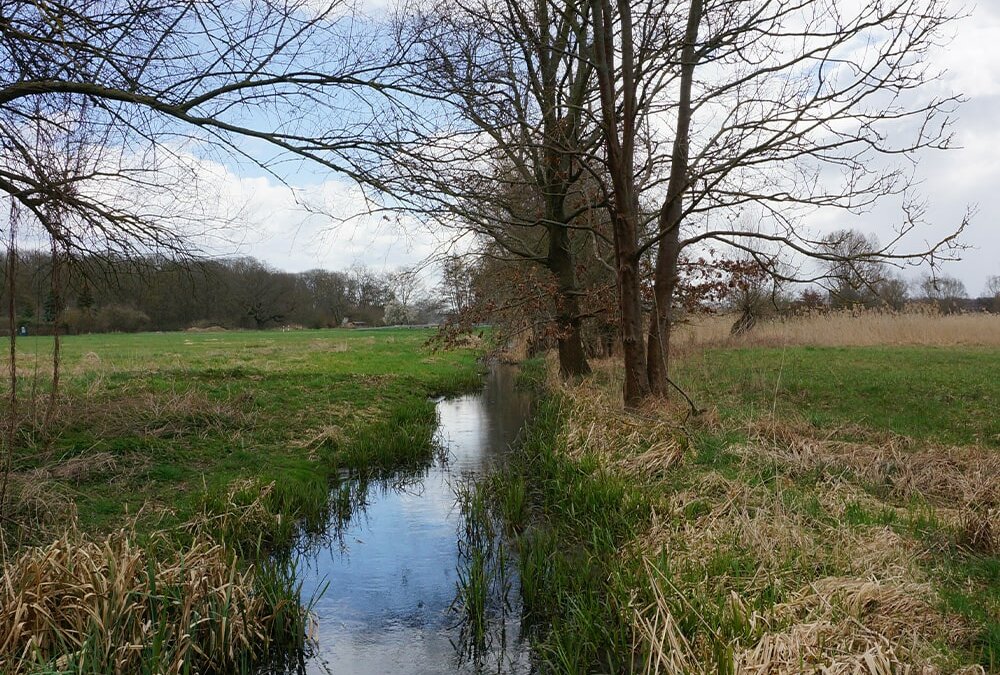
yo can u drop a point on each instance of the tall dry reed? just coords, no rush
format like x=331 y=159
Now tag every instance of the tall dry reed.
x=120 y=606
x=112 y=606
x=846 y=329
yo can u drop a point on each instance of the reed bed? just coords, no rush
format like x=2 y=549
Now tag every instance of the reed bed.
x=112 y=606
x=845 y=328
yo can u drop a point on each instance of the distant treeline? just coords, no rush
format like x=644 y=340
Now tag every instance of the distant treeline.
x=98 y=295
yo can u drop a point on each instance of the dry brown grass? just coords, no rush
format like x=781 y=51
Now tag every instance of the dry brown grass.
x=643 y=445
x=854 y=599
x=948 y=477
x=338 y=347
x=160 y=414
x=118 y=605
x=833 y=625
x=37 y=508
x=846 y=329
x=107 y=606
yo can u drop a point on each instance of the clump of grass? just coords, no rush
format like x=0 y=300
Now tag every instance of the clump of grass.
x=531 y=374
x=642 y=445
x=36 y=508
x=485 y=574
x=833 y=625
x=567 y=523
x=948 y=475
x=404 y=438
x=980 y=529
x=115 y=606
x=255 y=517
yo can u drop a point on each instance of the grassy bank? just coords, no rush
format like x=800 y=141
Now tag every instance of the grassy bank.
x=171 y=468
x=169 y=425
x=835 y=509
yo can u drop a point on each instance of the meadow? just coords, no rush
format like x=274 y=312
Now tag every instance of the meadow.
x=833 y=506
x=182 y=419
x=145 y=512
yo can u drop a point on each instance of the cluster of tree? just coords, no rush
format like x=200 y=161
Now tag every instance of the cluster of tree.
x=518 y=296
x=862 y=280
x=95 y=295
x=607 y=154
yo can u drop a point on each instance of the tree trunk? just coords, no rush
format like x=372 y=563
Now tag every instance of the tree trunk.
x=636 y=388
x=664 y=285
x=572 y=358
x=669 y=222
x=624 y=203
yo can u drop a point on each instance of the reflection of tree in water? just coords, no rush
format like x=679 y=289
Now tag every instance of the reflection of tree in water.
x=348 y=503
x=487 y=599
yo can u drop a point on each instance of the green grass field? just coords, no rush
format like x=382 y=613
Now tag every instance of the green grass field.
x=167 y=425
x=943 y=394
x=146 y=516
x=947 y=397
x=844 y=497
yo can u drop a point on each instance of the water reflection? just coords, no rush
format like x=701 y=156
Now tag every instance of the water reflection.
x=390 y=568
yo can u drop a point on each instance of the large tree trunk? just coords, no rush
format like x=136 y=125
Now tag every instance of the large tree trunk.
x=625 y=203
x=572 y=358
x=669 y=222
x=664 y=285
x=636 y=388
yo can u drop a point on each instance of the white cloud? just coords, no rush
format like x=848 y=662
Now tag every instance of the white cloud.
x=309 y=223
x=279 y=230
x=971 y=58
x=327 y=224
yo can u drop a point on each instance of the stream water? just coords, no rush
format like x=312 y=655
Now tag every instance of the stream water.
x=388 y=574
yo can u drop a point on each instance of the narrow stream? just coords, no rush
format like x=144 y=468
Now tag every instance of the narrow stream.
x=390 y=572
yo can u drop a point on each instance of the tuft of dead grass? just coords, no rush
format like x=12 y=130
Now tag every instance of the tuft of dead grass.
x=84 y=467
x=125 y=605
x=643 y=446
x=980 y=529
x=949 y=476
x=338 y=347
x=832 y=625
x=109 y=606
x=160 y=414
x=37 y=507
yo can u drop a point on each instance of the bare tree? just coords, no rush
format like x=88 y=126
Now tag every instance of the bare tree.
x=458 y=283
x=775 y=113
x=939 y=287
x=855 y=271
x=893 y=291
x=993 y=286
x=944 y=291
x=406 y=286
x=513 y=83
x=156 y=86
x=148 y=91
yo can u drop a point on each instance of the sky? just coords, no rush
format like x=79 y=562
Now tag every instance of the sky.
x=275 y=227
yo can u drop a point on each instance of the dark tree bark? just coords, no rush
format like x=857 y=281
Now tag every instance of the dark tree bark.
x=619 y=138
x=562 y=263
x=671 y=215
